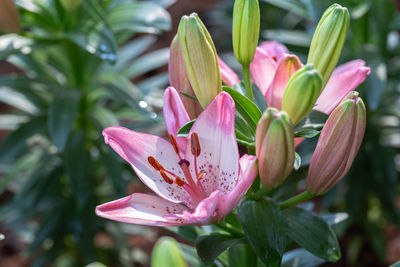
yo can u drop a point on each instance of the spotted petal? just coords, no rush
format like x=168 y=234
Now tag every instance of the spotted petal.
x=136 y=147
x=248 y=172
x=175 y=114
x=142 y=209
x=262 y=70
x=344 y=79
x=219 y=156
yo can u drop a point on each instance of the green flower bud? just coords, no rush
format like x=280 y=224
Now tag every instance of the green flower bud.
x=274 y=147
x=245 y=30
x=301 y=93
x=200 y=57
x=70 y=5
x=328 y=40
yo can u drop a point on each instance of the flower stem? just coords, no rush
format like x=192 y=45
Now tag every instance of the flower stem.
x=295 y=200
x=247 y=82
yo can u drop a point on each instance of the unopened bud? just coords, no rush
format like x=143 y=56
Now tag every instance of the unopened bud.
x=328 y=40
x=200 y=57
x=301 y=93
x=9 y=17
x=179 y=80
x=70 y=5
x=246 y=30
x=338 y=145
x=274 y=147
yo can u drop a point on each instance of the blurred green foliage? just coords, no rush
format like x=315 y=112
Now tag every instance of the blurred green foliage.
x=371 y=189
x=73 y=79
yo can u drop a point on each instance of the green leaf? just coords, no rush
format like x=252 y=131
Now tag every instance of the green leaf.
x=190 y=255
x=263 y=224
x=297 y=161
x=17 y=100
x=167 y=252
x=307 y=133
x=293 y=6
x=61 y=116
x=291 y=37
x=210 y=246
x=334 y=218
x=396 y=264
x=15 y=143
x=184 y=131
x=246 y=108
x=312 y=233
x=188 y=232
x=12 y=43
x=146 y=63
x=300 y=258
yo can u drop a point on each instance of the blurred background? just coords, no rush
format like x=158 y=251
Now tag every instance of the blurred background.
x=69 y=68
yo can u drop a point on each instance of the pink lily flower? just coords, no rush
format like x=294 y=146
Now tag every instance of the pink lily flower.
x=198 y=179
x=273 y=66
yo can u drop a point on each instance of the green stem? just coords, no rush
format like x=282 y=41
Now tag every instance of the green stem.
x=260 y=193
x=295 y=200
x=247 y=82
x=229 y=229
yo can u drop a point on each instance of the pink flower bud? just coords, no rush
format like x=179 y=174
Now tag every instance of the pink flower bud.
x=338 y=145
x=274 y=147
x=9 y=17
x=179 y=80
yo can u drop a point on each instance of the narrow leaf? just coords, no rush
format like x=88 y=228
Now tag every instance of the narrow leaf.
x=307 y=133
x=297 y=161
x=61 y=115
x=184 y=131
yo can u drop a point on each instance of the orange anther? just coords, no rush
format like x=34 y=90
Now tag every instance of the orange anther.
x=173 y=142
x=201 y=174
x=166 y=178
x=179 y=181
x=155 y=164
x=195 y=144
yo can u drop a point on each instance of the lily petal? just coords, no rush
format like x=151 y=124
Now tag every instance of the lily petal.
x=248 y=172
x=287 y=66
x=262 y=70
x=229 y=77
x=136 y=147
x=204 y=212
x=219 y=157
x=142 y=209
x=175 y=115
x=274 y=49
x=344 y=79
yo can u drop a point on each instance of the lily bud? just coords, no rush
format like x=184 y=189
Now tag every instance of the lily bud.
x=9 y=17
x=70 y=5
x=338 y=145
x=245 y=30
x=200 y=57
x=328 y=40
x=179 y=80
x=274 y=147
x=301 y=93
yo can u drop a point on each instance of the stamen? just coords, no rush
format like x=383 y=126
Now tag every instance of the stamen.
x=195 y=144
x=179 y=181
x=201 y=174
x=184 y=162
x=173 y=142
x=155 y=164
x=166 y=178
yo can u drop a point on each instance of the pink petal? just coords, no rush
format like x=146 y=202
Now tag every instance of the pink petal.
x=248 y=172
x=219 y=156
x=204 y=212
x=287 y=66
x=175 y=115
x=344 y=79
x=262 y=70
x=229 y=77
x=142 y=209
x=274 y=49
x=136 y=147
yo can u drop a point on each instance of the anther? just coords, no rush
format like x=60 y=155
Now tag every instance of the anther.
x=155 y=164
x=166 y=178
x=173 y=142
x=179 y=181
x=195 y=144
x=201 y=174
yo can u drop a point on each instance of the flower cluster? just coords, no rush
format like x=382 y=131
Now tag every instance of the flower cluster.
x=200 y=177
